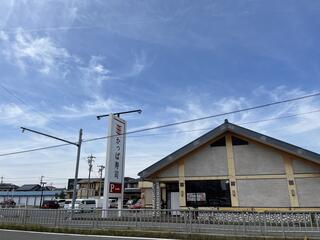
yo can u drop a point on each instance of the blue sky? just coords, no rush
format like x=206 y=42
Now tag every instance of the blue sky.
x=64 y=62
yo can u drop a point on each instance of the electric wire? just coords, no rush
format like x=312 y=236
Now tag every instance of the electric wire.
x=178 y=123
x=212 y=116
x=34 y=149
x=167 y=133
x=11 y=93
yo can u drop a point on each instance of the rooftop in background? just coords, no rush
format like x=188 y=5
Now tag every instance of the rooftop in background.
x=35 y=187
x=29 y=187
x=8 y=187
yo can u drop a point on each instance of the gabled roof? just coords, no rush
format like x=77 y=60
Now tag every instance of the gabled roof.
x=8 y=186
x=232 y=128
x=29 y=187
x=92 y=180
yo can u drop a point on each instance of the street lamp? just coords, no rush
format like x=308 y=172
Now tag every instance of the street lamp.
x=78 y=145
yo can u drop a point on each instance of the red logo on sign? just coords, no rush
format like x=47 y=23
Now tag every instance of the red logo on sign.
x=118 y=129
x=115 y=188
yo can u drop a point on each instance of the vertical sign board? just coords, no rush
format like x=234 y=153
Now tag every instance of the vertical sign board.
x=114 y=178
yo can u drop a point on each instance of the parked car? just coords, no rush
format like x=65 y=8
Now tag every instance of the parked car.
x=50 y=204
x=61 y=202
x=9 y=203
x=113 y=203
x=137 y=205
x=81 y=204
x=129 y=203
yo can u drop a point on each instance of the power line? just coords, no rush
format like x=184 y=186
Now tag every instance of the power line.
x=184 y=122
x=34 y=149
x=10 y=92
x=157 y=134
x=212 y=116
x=281 y=117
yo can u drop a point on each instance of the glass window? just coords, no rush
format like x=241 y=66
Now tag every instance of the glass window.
x=237 y=141
x=208 y=193
x=219 y=143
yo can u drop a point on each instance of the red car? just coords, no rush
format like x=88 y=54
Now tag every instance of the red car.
x=137 y=205
x=51 y=204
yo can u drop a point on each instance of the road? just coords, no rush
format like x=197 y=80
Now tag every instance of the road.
x=25 y=235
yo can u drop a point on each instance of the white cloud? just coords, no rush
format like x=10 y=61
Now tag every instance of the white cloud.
x=14 y=115
x=302 y=124
x=3 y=36
x=95 y=73
x=39 y=53
x=138 y=66
x=94 y=106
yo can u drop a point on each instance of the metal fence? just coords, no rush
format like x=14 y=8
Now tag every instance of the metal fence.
x=293 y=224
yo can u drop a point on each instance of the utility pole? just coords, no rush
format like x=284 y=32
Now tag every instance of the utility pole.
x=78 y=145
x=42 y=183
x=101 y=167
x=90 y=163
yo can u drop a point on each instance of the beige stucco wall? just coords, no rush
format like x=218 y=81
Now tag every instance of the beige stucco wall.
x=171 y=171
x=254 y=159
x=263 y=193
x=300 y=166
x=209 y=161
x=308 y=192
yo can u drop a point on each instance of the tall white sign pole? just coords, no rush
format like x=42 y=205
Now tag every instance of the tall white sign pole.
x=115 y=158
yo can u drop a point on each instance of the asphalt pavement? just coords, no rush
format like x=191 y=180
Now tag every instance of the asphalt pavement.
x=24 y=235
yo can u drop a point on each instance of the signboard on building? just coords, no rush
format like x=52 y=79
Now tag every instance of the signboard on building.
x=196 y=197
x=114 y=179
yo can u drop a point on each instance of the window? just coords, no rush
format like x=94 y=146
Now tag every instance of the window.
x=219 y=143
x=89 y=202
x=172 y=187
x=209 y=193
x=237 y=141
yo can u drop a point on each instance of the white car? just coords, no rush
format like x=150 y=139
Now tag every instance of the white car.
x=67 y=204
x=61 y=202
x=113 y=203
x=81 y=204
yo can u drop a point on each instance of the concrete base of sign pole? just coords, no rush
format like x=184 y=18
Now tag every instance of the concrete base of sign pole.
x=119 y=206
x=104 y=213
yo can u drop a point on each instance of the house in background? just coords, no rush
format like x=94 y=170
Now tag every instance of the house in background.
x=29 y=187
x=90 y=189
x=234 y=167
x=30 y=194
x=7 y=187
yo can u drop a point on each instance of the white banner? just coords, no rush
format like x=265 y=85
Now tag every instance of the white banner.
x=114 y=179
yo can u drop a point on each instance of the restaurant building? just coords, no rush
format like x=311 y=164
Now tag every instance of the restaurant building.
x=234 y=167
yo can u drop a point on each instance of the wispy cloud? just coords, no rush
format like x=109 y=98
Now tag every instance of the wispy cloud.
x=94 y=106
x=95 y=72
x=293 y=126
x=15 y=115
x=39 y=53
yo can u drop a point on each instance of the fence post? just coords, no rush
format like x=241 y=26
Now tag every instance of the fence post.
x=136 y=218
x=244 y=224
x=25 y=216
x=190 y=220
x=56 y=217
x=282 y=225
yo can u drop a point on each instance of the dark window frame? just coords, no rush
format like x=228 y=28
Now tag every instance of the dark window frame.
x=217 y=193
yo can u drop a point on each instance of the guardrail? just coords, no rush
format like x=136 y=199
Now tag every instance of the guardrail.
x=293 y=224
